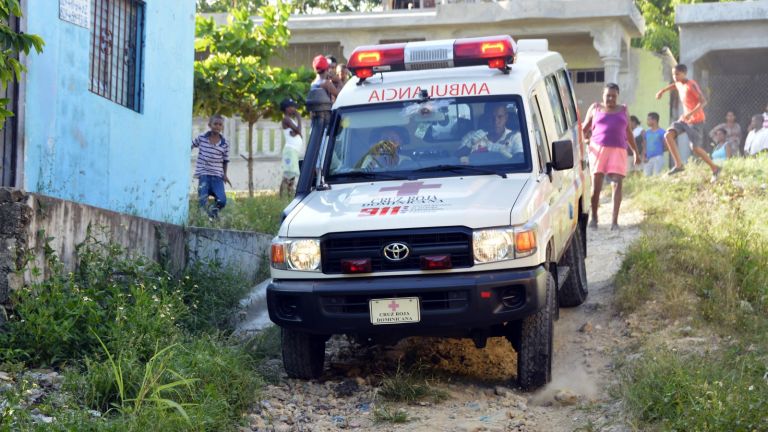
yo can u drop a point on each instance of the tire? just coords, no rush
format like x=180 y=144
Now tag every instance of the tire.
x=303 y=354
x=534 y=357
x=574 y=290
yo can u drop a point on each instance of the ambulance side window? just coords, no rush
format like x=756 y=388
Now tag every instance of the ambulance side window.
x=557 y=106
x=539 y=135
x=567 y=96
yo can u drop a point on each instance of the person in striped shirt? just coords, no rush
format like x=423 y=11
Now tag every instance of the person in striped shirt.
x=211 y=166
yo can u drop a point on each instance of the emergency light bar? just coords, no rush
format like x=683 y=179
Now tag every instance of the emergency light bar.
x=495 y=51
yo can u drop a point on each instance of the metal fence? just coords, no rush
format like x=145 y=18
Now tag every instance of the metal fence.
x=744 y=95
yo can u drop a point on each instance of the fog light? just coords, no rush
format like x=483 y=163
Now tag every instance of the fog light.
x=436 y=262
x=356 y=265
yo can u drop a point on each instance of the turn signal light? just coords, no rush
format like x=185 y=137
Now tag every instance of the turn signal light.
x=277 y=255
x=436 y=262
x=497 y=63
x=356 y=265
x=493 y=48
x=364 y=73
x=525 y=243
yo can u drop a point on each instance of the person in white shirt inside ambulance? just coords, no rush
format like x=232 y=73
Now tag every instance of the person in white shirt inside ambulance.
x=499 y=138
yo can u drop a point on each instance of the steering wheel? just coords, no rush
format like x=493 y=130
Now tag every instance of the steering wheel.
x=385 y=148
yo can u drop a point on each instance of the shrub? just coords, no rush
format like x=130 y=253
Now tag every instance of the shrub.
x=261 y=213
x=128 y=301
x=143 y=348
x=726 y=391
x=212 y=293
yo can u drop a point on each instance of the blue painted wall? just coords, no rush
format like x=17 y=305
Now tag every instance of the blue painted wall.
x=82 y=147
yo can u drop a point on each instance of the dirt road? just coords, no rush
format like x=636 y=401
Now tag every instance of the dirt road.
x=478 y=383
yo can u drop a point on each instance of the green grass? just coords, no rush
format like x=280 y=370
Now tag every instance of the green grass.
x=261 y=213
x=388 y=414
x=409 y=386
x=703 y=253
x=706 y=242
x=721 y=392
x=139 y=347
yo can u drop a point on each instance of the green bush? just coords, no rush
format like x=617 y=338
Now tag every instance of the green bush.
x=209 y=382
x=261 y=213
x=146 y=350
x=211 y=293
x=722 y=392
x=128 y=301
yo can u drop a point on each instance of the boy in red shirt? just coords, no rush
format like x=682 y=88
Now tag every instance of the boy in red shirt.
x=690 y=123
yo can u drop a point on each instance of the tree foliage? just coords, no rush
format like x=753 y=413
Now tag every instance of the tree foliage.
x=236 y=78
x=307 y=6
x=301 y=6
x=660 y=28
x=11 y=44
x=208 y=6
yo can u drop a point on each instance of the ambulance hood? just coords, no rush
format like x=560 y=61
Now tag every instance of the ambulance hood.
x=473 y=201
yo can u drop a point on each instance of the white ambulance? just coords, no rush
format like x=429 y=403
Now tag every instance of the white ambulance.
x=447 y=197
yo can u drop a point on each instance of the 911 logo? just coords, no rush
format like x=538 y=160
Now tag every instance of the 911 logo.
x=383 y=211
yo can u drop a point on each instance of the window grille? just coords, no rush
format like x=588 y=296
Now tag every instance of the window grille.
x=588 y=76
x=117 y=42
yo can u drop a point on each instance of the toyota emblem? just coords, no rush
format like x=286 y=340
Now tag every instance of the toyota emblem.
x=396 y=251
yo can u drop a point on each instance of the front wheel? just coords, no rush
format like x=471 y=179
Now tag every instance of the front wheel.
x=534 y=338
x=303 y=354
x=574 y=290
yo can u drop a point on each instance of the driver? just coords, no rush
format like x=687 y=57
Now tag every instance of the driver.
x=498 y=138
x=385 y=150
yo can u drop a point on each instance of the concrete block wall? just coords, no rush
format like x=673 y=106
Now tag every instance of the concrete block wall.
x=15 y=218
x=32 y=223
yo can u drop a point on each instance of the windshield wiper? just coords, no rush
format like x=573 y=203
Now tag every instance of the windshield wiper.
x=461 y=168
x=365 y=175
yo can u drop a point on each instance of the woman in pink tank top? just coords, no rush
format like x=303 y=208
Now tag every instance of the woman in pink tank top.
x=607 y=128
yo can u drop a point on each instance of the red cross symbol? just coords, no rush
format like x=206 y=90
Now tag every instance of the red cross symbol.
x=408 y=189
x=393 y=306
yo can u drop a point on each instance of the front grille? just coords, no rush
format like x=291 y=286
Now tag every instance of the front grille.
x=358 y=303
x=455 y=241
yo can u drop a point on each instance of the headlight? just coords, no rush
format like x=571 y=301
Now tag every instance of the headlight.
x=296 y=254
x=491 y=245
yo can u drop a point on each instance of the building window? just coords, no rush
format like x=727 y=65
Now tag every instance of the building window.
x=588 y=76
x=117 y=49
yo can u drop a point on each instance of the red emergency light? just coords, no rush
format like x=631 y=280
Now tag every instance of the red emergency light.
x=361 y=265
x=495 y=51
x=367 y=60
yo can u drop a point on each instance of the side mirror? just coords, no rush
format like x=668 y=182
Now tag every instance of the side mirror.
x=562 y=155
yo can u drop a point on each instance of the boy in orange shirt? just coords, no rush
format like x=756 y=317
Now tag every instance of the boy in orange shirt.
x=690 y=123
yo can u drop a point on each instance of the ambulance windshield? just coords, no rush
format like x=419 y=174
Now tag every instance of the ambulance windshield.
x=437 y=137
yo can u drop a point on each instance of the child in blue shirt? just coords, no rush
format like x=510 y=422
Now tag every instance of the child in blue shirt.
x=654 y=146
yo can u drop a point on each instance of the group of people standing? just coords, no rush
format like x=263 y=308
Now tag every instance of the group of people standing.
x=330 y=77
x=612 y=133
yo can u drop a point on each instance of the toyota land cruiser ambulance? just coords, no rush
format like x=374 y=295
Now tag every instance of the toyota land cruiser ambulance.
x=442 y=200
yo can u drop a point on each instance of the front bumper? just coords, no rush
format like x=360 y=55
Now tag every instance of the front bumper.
x=451 y=303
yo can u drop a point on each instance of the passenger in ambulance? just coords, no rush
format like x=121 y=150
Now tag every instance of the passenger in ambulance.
x=386 y=151
x=494 y=135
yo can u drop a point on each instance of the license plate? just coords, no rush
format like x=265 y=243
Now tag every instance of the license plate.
x=394 y=310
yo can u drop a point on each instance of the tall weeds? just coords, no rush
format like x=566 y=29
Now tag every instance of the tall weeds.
x=703 y=253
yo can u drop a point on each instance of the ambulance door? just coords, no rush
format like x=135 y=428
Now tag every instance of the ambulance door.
x=549 y=187
x=566 y=129
x=563 y=212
